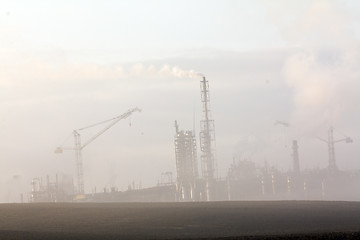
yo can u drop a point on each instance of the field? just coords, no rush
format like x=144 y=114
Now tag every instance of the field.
x=200 y=220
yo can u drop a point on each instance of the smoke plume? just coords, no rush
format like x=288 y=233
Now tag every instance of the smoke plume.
x=37 y=72
x=323 y=73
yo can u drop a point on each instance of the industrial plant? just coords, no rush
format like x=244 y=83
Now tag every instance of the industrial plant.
x=196 y=173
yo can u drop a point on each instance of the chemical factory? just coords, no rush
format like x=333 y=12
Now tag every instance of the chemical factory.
x=196 y=178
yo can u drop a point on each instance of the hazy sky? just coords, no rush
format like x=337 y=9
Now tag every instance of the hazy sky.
x=67 y=64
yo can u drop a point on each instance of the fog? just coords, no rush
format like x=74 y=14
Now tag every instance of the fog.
x=67 y=65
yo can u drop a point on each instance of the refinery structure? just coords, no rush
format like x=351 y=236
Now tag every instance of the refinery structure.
x=196 y=172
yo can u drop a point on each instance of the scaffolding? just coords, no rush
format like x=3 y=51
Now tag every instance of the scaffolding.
x=62 y=190
x=186 y=163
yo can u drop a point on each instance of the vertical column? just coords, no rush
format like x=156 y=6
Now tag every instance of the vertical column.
x=207 y=142
x=79 y=167
x=295 y=155
x=332 y=161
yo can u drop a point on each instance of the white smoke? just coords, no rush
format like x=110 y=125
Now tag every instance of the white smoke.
x=323 y=72
x=323 y=90
x=166 y=70
x=37 y=72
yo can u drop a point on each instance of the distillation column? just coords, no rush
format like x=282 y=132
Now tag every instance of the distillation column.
x=295 y=155
x=186 y=164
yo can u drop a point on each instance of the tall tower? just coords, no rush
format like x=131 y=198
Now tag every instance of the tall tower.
x=207 y=142
x=332 y=161
x=186 y=164
x=295 y=155
x=331 y=147
x=79 y=166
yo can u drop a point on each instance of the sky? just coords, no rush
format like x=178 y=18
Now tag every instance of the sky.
x=68 y=64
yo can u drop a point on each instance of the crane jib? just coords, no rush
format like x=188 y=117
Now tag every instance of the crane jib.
x=78 y=146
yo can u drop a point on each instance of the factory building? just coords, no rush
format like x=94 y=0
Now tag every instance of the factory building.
x=61 y=190
x=244 y=180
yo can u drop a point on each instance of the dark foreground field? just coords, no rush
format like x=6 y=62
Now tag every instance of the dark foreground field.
x=216 y=220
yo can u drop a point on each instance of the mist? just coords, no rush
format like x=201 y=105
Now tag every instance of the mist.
x=64 y=67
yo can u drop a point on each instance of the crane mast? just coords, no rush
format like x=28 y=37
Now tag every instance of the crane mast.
x=78 y=146
x=331 y=147
x=78 y=158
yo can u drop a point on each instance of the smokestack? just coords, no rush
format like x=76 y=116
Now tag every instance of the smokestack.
x=176 y=127
x=295 y=155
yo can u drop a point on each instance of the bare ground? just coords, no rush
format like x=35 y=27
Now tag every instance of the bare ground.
x=201 y=220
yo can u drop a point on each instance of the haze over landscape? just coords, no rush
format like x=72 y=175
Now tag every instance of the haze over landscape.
x=68 y=64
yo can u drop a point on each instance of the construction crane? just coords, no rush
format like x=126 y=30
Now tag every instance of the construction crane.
x=78 y=146
x=331 y=147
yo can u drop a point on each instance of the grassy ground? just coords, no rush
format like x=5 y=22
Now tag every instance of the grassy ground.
x=216 y=220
